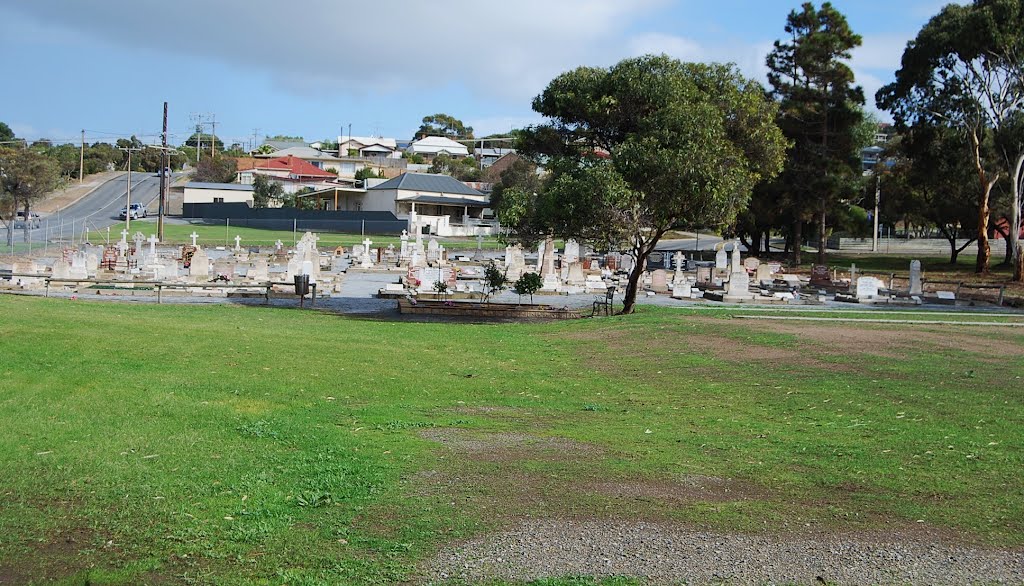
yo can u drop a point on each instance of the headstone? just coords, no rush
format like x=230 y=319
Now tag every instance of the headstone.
x=540 y=255
x=195 y=237
x=572 y=251
x=357 y=251
x=575 y=276
x=736 y=265
x=366 y=261
x=680 y=262
x=763 y=273
x=915 y=277
x=751 y=263
x=703 y=274
x=627 y=263
x=867 y=287
x=659 y=281
x=277 y=245
x=721 y=259
x=433 y=251
x=853 y=278
x=200 y=264
x=152 y=244
x=739 y=284
x=548 y=267
x=403 y=255
x=259 y=271
x=61 y=269
x=138 y=239
x=820 y=275
x=92 y=263
x=681 y=290
x=238 y=243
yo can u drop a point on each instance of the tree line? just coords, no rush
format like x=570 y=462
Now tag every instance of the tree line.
x=653 y=144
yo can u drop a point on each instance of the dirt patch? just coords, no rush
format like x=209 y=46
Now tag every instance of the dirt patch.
x=691 y=488
x=507 y=447
x=59 y=556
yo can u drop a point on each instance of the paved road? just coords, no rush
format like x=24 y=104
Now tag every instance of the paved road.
x=95 y=211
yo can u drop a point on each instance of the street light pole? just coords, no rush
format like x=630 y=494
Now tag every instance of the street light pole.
x=128 y=203
x=878 y=196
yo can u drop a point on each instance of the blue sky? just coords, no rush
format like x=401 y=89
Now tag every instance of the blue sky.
x=312 y=67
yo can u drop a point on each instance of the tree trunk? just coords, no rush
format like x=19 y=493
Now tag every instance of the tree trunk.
x=767 y=235
x=822 y=240
x=798 y=236
x=1013 y=241
x=643 y=250
x=981 y=266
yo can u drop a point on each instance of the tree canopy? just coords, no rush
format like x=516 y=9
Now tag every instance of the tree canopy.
x=644 y=146
x=27 y=176
x=820 y=114
x=444 y=125
x=965 y=69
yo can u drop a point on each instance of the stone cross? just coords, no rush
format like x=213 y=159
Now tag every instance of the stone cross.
x=279 y=244
x=124 y=236
x=238 y=243
x=479 y=241
x=366 y=245
x=315 y=239
x=152 y=244
x=405 y=235
x=194 y=237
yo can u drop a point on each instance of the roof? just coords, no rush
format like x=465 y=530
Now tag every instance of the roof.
x=284 y=144
x=295 y=166
x=427 y=183
x=493 y=152
x=223 y=186
x=436 y=144
x=304 y=152
x=448 y=201
x=366 y=141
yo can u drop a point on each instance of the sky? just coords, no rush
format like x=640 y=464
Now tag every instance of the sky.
x=311 y=68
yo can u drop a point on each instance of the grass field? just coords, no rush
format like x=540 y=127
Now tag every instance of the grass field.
x=241 y=445
x=211 y=235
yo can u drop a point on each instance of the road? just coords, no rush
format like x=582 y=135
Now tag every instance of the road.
x=96 y=211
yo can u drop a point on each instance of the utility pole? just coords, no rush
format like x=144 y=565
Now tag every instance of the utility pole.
x=164 y=166
x=128 y=203
x=81 y=161
x=213 y=135
x=198 y=119
x=255 y=135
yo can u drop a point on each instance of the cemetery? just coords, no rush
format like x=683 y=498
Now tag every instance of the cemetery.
x=421 y=271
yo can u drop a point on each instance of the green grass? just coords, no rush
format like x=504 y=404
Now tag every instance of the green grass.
x=225 y=236
x=241 y=445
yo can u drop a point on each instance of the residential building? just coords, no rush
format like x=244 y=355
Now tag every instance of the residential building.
x=318 y=159
x=368 y=146
x=488 y=156
x=291 y=172
x=432 y=146
x=199 y=192
x=448 y=206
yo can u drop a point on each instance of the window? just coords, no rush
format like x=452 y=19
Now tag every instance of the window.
x=218 y=200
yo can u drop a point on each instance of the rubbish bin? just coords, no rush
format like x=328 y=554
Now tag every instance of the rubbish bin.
x=301 y=284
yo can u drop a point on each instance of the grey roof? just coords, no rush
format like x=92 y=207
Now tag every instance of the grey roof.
x=447 y=201
x=224 y=186
x=428 y=183
x=284 y=144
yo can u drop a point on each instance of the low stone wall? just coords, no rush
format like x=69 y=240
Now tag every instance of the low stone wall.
x=485 y=310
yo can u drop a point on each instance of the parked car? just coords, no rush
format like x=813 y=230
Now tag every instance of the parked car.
x=33 y=220
x=136 y=211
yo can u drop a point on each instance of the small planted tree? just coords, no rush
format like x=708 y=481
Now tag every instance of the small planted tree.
x=494 y=281
x=528 y=284
x=442 y=289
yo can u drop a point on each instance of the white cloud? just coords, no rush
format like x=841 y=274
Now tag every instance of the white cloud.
x=656 y=43
x=507 y=49
x=882 y=52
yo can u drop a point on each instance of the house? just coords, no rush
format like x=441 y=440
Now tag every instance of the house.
x=198 y=192
x=488 y=156
x=318 y=159
x=279 y=145
x=368 y=146
x=448 y=206
x=432 y=146
x=291 y=172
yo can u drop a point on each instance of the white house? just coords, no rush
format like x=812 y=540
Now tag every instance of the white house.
x=432 y=146
x=369 y=146
x=448 y=206
x=197 y=192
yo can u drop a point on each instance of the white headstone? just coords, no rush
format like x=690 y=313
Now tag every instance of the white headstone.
x=721 y=259
x=238 y=243
x=152 y=244
x=200 y=266
x=867 y=287
x=659 y=281
x=195 y=237
x=915 y=277
x=572 y=251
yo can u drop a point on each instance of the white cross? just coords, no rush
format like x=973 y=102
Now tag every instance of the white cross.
x=315 y=240
x=152 y=243
x=238 y=242
x=366 y=245
x=194 y=237
x=405 y=234
x=279 y=244
x=124 y=236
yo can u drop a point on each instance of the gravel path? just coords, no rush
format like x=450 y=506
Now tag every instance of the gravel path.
x=664 y=554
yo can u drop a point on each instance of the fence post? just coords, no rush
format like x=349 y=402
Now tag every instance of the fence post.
x=227 y=230
x=295 y=227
